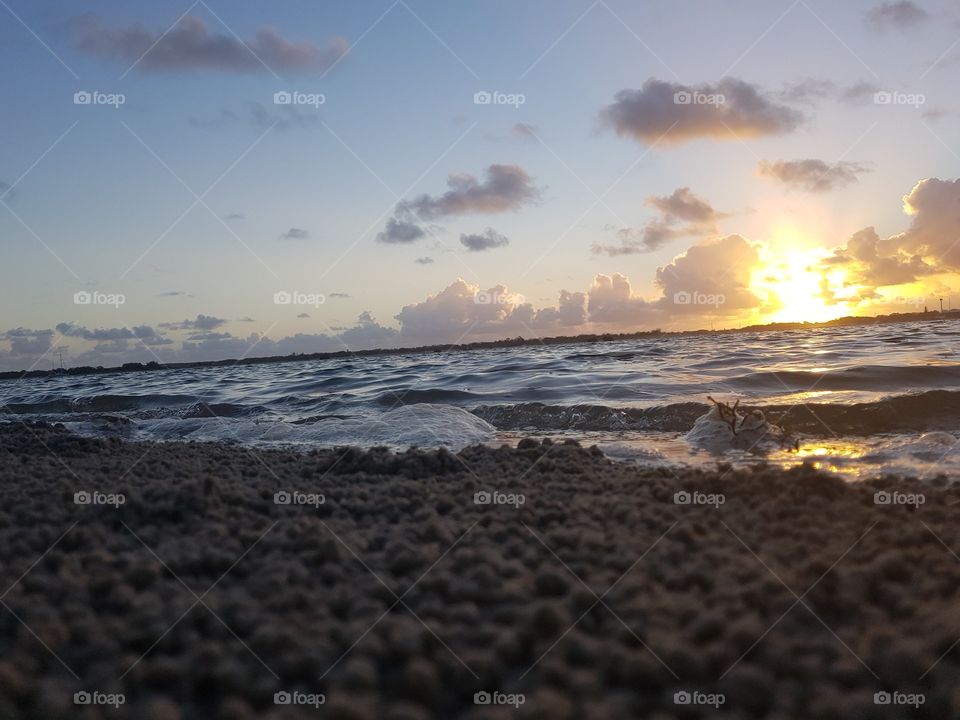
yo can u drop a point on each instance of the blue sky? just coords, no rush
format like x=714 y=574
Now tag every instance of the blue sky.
x=99 y=189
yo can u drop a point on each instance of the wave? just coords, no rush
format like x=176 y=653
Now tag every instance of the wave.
x=863 y=377
x=140 y=406
x=428 y=396
x=931 y=410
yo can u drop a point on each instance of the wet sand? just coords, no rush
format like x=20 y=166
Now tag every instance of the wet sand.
x=396 y=595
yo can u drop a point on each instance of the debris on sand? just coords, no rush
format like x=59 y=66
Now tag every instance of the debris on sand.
x=725 y=427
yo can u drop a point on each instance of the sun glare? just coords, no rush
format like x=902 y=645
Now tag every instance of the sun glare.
x=794 y=286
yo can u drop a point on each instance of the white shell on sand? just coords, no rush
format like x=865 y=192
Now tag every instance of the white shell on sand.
x=722 y=428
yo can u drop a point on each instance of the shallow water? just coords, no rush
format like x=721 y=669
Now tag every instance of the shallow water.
x=858 y=398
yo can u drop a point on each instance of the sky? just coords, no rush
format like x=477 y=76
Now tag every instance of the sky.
x=219 y=179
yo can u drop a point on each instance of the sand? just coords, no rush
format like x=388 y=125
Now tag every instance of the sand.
x=200 y=597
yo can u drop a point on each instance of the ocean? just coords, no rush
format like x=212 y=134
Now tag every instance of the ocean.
x=861 y=400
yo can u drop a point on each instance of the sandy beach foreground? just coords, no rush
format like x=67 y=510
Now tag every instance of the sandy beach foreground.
x=165 y=581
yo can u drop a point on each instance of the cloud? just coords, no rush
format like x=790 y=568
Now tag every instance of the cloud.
x=812 y=175
x=424 y=261
x=683 y=204
x=807 y=90
x=303 y=315
x=400 y=232
x=711 y=279
x=610 y=301
x=859 y=93
x=143 y=333
x=682 y=214
x=368 y=333
x=190 y=46
x=236 y=216
x=25 y=343
x=934 y=233
x=113 y=346
x=871 y=262
x=201 y=322
x=810 y=90
x=719 y=269
x=338 y=296
x=730 y=109
x=505 y=188
x=900 y=15
x=296 y=233
x=488 y=240
x=461 y=310
x=524 y=131
x=930 y=246
x=171 y=293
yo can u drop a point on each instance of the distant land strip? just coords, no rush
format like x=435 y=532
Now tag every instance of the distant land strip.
x=931 y=315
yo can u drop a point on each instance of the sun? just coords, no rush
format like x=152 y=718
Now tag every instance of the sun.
x=794 y=283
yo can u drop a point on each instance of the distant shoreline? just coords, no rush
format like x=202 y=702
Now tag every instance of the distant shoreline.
x=484 y=345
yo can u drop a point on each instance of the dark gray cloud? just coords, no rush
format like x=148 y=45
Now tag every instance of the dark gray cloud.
x=487 y=240
x=191 y=46
x=672 y=113
x=302 y=316
x=505 y=188
x=142 y=333
x=424 y=261
x=901 y=15
x=26 y=343
x=682 y=214
x=399 y=232
x=296 y=233
x=684 y=205
x=201 y=322
x=812 y=175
